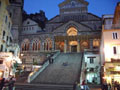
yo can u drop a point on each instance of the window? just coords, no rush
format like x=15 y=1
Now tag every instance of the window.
x=114 y=50
x=9 y=25
x=28 y=22
x=0 y=3
x=1 y=61
x=6 y=19
x=91 y=60
x=115 y=35
x=7 y=38
x=3 y=34
x=1 y=48
x=10 y=14
x=96 y=43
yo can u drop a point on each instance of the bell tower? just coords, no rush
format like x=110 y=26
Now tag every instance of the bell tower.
x=72 y=9
x=16 y=9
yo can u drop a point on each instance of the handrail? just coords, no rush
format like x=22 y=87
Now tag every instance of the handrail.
x=33 y=75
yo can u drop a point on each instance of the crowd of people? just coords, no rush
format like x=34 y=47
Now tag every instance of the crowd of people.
x=115 y=86
x=7 y=83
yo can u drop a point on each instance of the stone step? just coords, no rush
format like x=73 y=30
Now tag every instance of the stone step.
x=43 y=87
x=65 y=70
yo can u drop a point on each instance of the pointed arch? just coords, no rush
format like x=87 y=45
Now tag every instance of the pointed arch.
x=36 y=44
x=48 y=44
x=72 y=31
x=25 y=45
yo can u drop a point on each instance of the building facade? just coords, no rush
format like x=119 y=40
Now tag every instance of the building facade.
x=5 y=26
x=110 y=46
x=73 y=30
x=7 y=46
x=92 y=67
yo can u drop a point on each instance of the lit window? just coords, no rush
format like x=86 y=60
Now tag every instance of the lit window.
x=114 y=50
x=96 y=43
x=115 y=35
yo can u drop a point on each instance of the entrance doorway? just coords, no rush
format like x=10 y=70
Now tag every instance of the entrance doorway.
x=74 y=48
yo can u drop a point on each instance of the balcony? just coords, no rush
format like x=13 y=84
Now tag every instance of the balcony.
x=111 y=26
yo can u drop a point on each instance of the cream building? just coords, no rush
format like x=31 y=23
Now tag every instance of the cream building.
x=6 y=38
x=110 y=46
x=5 y=26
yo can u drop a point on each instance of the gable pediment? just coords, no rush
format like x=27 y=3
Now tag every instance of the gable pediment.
x=64 y=27
x=29 y=22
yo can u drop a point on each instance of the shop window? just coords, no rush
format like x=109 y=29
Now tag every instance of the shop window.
x=115 y=35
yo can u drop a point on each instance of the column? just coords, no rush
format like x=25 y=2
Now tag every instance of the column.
x=78 y=46
x=91 y=43
x=42 y=46
x=53 y=45
x=65 y=46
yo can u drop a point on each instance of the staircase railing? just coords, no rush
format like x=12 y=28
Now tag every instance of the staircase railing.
x=33 y=75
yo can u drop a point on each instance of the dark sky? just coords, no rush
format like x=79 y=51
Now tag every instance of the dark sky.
x=97 y=7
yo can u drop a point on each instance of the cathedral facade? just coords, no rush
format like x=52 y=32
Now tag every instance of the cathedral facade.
x=73 y=30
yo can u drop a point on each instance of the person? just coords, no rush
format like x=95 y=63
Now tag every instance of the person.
x=2 y=83
x=49 y=60
x=52 y=60
x=84 y=86
x=11 y=84
x=105 y=86
x=109 y=86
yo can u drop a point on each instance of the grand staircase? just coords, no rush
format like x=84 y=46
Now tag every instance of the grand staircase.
x=61 y=75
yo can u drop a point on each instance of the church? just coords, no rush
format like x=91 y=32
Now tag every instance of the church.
x=73 y=30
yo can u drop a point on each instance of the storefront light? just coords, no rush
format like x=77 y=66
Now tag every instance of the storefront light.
x=1 y=74
x=117 y=68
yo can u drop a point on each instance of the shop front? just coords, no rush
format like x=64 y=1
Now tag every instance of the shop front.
x=112 y=73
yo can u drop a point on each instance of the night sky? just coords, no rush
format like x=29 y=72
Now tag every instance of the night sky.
x=97 y=7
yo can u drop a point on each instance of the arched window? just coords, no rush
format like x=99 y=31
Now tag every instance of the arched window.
x=25 y=45
x=72 y=31
x=36 y=45
x=84 y=45
x=96 y=43
x=48 y=44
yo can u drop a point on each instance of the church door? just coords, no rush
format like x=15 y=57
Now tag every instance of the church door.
x=74 y=48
